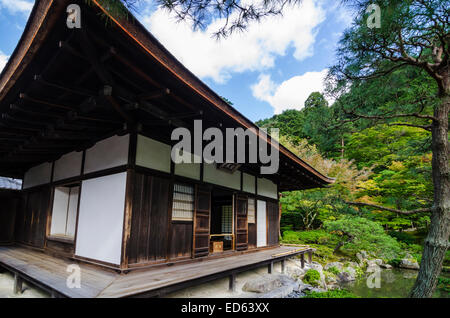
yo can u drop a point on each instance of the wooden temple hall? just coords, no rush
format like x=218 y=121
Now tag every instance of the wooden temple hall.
x=86 y=121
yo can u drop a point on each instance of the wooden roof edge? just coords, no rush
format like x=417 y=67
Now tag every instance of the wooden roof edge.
x=37 y=28
x=141 y=33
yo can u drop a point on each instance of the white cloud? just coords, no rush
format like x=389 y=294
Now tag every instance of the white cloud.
x=3 y=60
x=252 y=50
x=290 y=94
x=16 y=6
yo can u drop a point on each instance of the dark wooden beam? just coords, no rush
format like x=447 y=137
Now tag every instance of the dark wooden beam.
x=43 y=102
x=18 y=284
x=270 y=268
x=156 y=94
x=64 y=87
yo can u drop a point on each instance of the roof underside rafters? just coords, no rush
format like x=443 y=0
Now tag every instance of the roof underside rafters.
x=71 y=88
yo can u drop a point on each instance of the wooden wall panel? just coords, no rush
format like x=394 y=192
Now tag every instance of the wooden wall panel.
x=201 y=221
x=149 y=220
x=60 y=248
x=8 y=208
x=251 y=235
x=32 y=217
x=181 y=240
x=241 y=223
x=273 y=222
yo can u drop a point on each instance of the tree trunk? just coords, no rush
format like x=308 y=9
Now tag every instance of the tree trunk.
x=436 y=242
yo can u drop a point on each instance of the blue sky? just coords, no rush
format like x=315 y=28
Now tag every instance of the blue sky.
x=273 y=66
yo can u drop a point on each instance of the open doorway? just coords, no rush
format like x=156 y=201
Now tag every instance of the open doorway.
x=222 y=221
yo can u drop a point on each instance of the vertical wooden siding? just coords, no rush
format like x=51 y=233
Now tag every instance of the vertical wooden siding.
x=181 y=240
x=8 y=207
x=202 y=221
x=251 y=235
x=32 y=217
x=273 y=222
x=149 y=220
x=241 y=222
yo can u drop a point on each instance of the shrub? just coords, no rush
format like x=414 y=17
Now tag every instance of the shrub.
x=366 y=235
x=447 y=258
x=309 y=237
x=312 y=277
x=403 y=237
x=444 y=284
x=395 y=262
x=336 y=293
x=334 y=270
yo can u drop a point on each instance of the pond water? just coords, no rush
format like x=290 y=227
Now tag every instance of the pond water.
x=395 y=283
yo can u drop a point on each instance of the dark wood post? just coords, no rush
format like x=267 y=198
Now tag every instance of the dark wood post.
x=302 y=259
x=232 y=283
x=310 y=257
x=17 y=284
x=283 y=266
x=270 y=267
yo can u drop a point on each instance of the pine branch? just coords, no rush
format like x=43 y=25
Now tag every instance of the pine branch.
x=389 y=209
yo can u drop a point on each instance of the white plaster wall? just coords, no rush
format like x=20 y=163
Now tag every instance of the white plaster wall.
x=153 y=154
x=38 y=175
x=261 y=226
x=108 y=153
x=215 y=176
x=60 y=201
x=100 y=220
x=188 y=170
x=248 y=183
x=68 y=166
x=267 y=188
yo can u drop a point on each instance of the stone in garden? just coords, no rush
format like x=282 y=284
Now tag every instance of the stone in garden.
x=351 y=271
x=338 y=265
x=362 y=257
x=372 y=268
x=386 y=266
x=371 y=262
x=408 y=264
x=353 y=264
x=345 y=277
x=378 y=261
x=331 y=279
x=296 y=272
x=266 y=283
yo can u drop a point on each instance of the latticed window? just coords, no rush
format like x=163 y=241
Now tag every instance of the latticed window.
x=227 y=219
x=251 y=211
x=183 y=202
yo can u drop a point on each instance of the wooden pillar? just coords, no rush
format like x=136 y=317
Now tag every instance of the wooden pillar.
x=232 y=283
x=270 y=267
x=18 y=282
x=283 y=266
x=302 y=259
x=310 y=257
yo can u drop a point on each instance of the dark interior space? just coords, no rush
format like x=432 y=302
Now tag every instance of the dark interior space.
x=221 y=221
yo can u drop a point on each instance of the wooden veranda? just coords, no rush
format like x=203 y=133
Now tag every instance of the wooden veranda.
x=50 y=273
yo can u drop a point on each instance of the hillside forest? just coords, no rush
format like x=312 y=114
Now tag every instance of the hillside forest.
x=378 y=164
